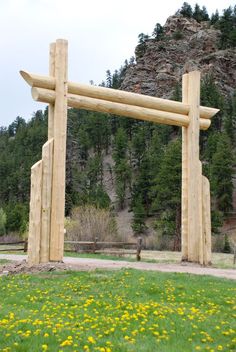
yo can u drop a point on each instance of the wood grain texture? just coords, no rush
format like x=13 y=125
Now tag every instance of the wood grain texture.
x=136 y=112
x=60 y=126
x=184 y=193
x=194 y=198
x=47 y=159
x=35 y=214
x=206 y=210
x=52 y=53
x=200 y=227
x=118 y=96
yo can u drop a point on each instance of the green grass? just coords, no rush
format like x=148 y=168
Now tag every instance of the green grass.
x=128 y=258
x=4 y=261
x=117 y=311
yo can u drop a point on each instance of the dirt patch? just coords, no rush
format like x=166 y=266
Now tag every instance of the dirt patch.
x=71 y=263
x=19 y=267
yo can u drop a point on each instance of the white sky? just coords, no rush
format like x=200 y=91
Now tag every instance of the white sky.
x=101 y=35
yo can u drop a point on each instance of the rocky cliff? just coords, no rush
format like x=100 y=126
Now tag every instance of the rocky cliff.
x=185 y=45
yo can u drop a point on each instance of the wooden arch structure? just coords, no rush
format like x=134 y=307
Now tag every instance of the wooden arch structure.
x=47 y=202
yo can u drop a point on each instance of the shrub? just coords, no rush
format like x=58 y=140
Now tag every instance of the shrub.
x=88 y=223
x=178 y=35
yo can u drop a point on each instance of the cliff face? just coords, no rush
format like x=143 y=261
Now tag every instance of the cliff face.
x=186 y=45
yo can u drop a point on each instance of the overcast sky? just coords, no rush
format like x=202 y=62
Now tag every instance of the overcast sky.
x=101 y=35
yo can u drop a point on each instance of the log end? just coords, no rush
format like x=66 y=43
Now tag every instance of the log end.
x=205 y=124
x=27 y=77
x=35 y=94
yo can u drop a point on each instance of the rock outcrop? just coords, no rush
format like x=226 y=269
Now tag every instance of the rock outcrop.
x=185 y=46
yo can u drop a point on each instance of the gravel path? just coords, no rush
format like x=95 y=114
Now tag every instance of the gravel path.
x=92 y=264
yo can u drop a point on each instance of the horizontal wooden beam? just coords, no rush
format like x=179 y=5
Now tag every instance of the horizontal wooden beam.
x=117 y=96
x=136 y=112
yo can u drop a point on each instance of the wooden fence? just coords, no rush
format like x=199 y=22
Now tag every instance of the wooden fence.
x=14 y=246
x=111 y=248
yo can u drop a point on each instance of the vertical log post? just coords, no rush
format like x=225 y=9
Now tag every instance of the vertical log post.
x=47 y=158
x=51 y=106
x=60 y=126
x=200 y=206
x=35 y=214
x=184 y=188
x=194 y=198
x=206 y=220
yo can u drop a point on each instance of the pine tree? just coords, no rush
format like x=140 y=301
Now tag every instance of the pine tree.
x=141 y=184
x=141 y=47
x=166 y=191
x=157 y=32
x=3 y=220
x=186 y=10
x=230 y=118
x=121 y=168
x=138 y=146
x=108 y=79
x=200 y=14
x=211 y=96
x=138 y=221
x=227 y=25
x=215 y=17
x=221 y=174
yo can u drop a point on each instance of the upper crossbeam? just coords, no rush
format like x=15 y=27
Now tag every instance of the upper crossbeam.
x=118 y=102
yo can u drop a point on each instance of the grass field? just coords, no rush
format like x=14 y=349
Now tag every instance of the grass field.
x=125 y=310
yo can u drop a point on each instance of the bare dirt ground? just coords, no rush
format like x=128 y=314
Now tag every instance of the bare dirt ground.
x=19 y=264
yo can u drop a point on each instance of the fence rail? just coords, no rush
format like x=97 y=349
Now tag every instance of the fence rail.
x=112 y=247
x=10 y=244
x=117 y=248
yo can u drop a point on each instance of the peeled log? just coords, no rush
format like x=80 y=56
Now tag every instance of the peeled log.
x=118 y=96
x=136 y=112
x=35 y=214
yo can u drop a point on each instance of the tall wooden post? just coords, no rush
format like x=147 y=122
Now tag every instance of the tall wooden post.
x=52 y=54
x=194 y=172
x=184 y=188
x=60 y=126
x=47 y=174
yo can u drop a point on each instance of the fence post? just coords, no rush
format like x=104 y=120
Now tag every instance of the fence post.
x=95 y=244
x=139 y=248
x=26 y=246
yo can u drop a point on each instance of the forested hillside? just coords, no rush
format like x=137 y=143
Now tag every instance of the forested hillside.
x=128 y=165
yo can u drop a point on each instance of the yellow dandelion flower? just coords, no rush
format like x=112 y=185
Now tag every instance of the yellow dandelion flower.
x=91 y=339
